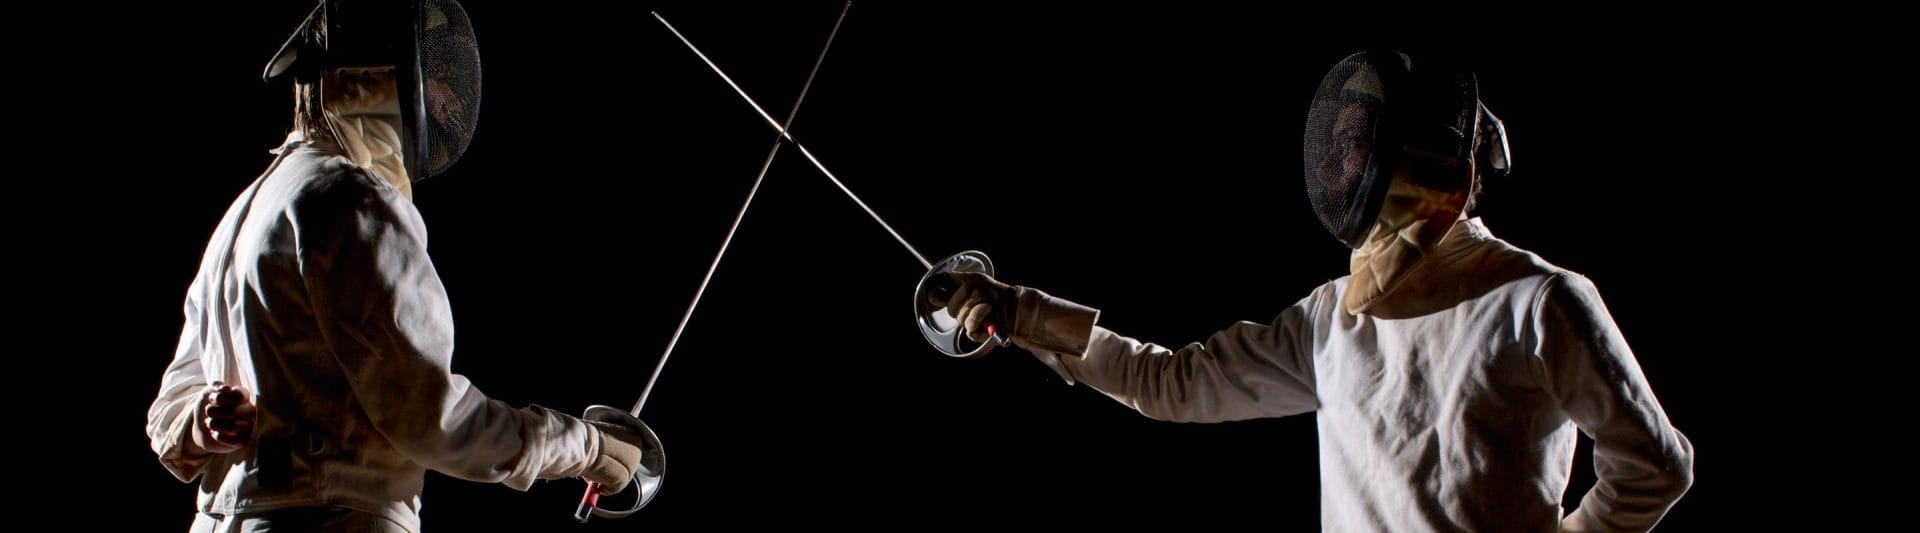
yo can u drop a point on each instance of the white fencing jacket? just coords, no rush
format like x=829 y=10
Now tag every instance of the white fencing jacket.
x=316 y=294
x=1450 y=405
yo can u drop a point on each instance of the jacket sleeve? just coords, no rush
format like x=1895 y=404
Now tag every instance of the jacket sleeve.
x=382 y=310
x=172 y=412
x=1246 y=371
x=1643 y=464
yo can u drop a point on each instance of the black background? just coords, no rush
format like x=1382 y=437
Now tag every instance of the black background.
x=1143 y=160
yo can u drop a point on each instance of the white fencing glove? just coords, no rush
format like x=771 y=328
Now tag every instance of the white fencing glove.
x=617 y=454
x=979 y=300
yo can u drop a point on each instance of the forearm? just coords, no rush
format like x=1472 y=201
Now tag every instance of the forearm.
x=454 y=429
x=1246 y=371
x=171 y=417
x=1232 y=376
x=169 y=422
x=1639 y=482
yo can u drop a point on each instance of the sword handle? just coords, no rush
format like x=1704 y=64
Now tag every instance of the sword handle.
x=587 y=502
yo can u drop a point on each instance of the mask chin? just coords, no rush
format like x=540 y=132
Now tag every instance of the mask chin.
x=363 y=115
x=1412 y=222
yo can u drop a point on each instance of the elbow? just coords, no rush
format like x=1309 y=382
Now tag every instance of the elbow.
x=1161 y=414
x=1668 y=472
x=1680 y=467
x=434 y=448
x=483 y=447
x=447 y=457
x=1166 y=410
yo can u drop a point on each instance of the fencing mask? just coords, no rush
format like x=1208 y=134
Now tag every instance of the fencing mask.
x=1393 y=153
x=435 y=59
x=1377 y=114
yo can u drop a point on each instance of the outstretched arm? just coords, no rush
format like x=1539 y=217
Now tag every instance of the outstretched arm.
x=1246 y=371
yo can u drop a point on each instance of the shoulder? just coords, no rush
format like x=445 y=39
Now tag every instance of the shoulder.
x=1568 y=291
x=328 y=195
x=1549 y=281
x=1325 y=298
x=1531 y=275
x=1505 y=257
x=317 y=179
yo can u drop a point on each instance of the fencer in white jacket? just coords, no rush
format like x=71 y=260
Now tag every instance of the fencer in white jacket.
x=1448 y=374
x=311 y=387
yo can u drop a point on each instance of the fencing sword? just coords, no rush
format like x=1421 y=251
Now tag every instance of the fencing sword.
x=940 y=328
x=650 y=473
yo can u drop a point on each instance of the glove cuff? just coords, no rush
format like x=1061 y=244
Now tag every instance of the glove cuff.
x=1043 y=322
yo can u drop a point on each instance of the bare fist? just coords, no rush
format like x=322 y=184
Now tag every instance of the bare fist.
x=225 y=420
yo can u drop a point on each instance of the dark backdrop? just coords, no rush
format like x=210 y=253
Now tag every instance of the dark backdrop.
x=1143 y=160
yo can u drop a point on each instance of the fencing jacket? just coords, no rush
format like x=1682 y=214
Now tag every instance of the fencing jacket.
x=1450 y=405
x=316 y=294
